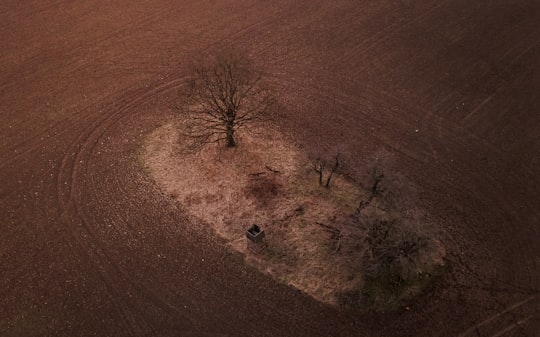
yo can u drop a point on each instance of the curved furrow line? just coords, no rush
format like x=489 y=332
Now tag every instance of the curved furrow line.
x=280 y=16
x=73 y=55
x=65 y=191
x=33 y=143
x=456 y=133
x=493 y=320
x=92 y=240
x=386 y=33
x=127 y=101
x=456 y=137
x=75 y=168
x=507 y=62
x=346 y=106
x=483 y=187
x=46 y=6
x=352 y=103
x=124 y=30
x=410 y=107
x=268 y=21
x=59 y=128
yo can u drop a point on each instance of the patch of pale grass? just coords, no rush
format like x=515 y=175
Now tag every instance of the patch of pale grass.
x=268 y=181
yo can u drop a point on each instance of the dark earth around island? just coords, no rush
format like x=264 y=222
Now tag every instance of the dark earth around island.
x=90 y=246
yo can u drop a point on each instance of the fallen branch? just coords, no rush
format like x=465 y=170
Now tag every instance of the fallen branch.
x=271 y=169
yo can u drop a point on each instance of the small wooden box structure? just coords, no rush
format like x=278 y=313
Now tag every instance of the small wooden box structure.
x=255 y=236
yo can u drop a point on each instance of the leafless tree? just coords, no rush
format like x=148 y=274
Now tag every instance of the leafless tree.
x=223 y=95
x=320 y=166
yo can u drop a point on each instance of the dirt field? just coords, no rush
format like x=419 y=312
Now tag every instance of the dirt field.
x=90 y=245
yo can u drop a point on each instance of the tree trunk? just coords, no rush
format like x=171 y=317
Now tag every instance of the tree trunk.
x=230 y=134
x=336 y=165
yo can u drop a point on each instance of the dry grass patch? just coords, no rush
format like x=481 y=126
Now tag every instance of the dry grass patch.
x=268 y=181
x=310 y=242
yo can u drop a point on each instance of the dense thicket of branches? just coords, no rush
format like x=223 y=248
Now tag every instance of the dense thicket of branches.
x=393 y=246
x=223 y=95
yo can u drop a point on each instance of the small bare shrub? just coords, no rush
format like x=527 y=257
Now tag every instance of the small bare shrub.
x=326 y=169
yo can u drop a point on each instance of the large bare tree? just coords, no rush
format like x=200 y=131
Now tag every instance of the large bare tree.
x=223 y=95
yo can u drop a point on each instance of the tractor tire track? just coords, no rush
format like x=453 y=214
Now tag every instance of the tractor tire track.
x=71 y=172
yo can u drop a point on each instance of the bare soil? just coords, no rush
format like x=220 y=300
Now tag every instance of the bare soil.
x=91 y=246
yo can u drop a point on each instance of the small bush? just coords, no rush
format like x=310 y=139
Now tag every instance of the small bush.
x=398 y=252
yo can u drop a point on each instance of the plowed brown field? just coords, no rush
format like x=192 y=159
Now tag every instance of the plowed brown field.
x=90 y=246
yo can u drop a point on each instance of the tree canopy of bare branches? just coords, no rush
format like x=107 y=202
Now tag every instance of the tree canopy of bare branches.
x=223 y=95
